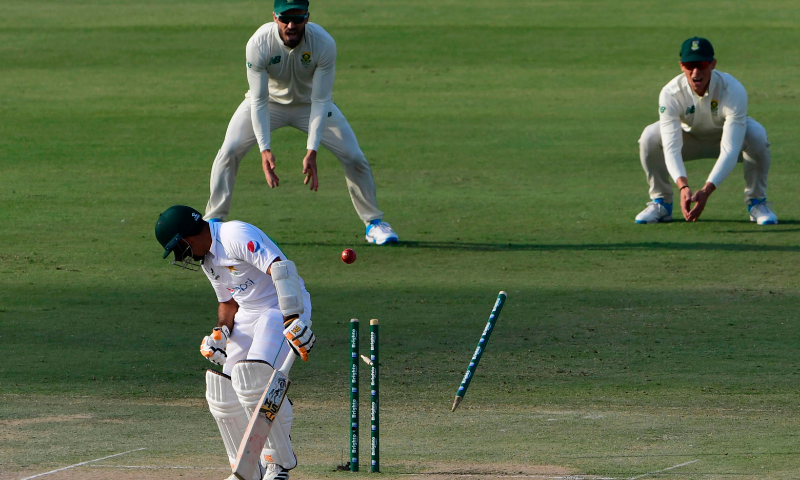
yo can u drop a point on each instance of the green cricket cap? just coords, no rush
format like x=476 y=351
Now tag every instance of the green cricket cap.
x=697 y=49
x=284 y=5
x=177 y=222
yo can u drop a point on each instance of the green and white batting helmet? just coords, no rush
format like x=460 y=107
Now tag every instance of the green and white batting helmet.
x=176 y=223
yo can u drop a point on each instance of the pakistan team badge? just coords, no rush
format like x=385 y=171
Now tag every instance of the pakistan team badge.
x=695 y=45
x=306 y=58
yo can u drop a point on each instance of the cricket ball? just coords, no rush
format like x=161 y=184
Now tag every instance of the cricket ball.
x=348 y=256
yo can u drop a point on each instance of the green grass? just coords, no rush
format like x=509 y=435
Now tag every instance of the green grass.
x=503 y=142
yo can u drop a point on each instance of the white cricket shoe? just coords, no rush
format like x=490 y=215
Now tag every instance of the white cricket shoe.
x=656 y=211
x=380 y=233
x=761 y=212
x=276 y=472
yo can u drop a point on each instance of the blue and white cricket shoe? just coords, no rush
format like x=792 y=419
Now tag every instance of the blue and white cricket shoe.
x=380 y=233
x=761 y=212
x=656 y=211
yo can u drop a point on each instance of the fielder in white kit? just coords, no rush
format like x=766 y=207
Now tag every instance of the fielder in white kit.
x=291 y=65
x=703 y=114
x=264 y=312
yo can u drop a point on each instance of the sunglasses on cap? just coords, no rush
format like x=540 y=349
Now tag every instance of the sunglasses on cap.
x=695 y=65
x=287 y=19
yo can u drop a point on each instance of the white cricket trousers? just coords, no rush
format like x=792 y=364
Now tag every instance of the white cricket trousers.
x=337 y=137
x=258 y=335
x=755 y=156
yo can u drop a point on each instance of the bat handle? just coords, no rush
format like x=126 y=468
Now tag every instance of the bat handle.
x=287 y=364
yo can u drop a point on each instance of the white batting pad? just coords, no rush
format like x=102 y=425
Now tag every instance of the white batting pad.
x=249 y=378
x=279 y=445
x=226 y=410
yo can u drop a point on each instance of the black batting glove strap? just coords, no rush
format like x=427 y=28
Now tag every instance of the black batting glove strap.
x=289 y=320
x=310 y=341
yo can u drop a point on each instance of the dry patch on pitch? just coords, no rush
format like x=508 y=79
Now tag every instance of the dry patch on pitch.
x=104 y=473
x=22 y=422
x=465 y=470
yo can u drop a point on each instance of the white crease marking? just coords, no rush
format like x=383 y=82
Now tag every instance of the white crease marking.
x=83 y=463
x=659 y=471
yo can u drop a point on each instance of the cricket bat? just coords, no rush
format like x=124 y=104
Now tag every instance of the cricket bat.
x=258 y=429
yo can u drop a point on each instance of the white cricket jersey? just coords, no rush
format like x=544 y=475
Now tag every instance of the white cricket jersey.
x=303 y=74
x=237 y=263
x=721 y=111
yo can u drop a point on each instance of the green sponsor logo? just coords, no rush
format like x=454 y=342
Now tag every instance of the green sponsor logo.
x=690 y=110
x=662 y=109
x=249 y=65
x=275 y=59
x=329 y=114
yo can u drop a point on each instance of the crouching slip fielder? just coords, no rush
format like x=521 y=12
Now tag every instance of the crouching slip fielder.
x=264 y=311
x=290 y=69
x=703 y=115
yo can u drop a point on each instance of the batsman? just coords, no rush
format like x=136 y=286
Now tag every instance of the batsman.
x=264 y=314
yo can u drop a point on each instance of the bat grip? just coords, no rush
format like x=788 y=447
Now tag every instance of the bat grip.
x=287 y=364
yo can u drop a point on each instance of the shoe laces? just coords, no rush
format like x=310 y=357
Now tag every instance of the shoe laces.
x=382 y=227
x=659 y=207
x=762 y=209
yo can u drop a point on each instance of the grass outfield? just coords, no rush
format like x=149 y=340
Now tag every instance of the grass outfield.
x=502 y=138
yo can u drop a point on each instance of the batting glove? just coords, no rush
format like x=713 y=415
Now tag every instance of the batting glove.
x=214 y=345
x=300 y=336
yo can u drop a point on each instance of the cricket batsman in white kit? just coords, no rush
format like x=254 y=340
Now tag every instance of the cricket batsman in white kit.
x=703 y=114
x=290 y=69
x=264 y=313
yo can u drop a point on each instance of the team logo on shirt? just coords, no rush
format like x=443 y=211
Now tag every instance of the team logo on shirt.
x=714 y=106
x=306 y=58
x=690 y=110
x=253 y=246
x=695 y=45
x=275 y=59
x=249 y=65
x=234 y=272
x=662 y=109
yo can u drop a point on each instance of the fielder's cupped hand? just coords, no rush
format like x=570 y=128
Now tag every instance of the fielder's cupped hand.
x=686 y=202
x=700 y=198
x=268 y=164
x=214 y=345
x=310 y=170
x=300 y=336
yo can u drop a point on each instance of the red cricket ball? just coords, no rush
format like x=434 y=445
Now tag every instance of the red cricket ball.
x=348 y=256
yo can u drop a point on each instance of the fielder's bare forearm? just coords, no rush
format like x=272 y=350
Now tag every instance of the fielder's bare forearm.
x=226 y=312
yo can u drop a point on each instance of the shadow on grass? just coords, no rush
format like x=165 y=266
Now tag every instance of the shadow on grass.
x=512 y=247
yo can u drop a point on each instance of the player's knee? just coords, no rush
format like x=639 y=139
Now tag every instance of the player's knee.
x=756 y=137
x=650 y=139
x=354 y=159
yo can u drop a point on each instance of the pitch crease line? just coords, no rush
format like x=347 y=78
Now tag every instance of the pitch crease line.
x=659 y=471
x=83 y=463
